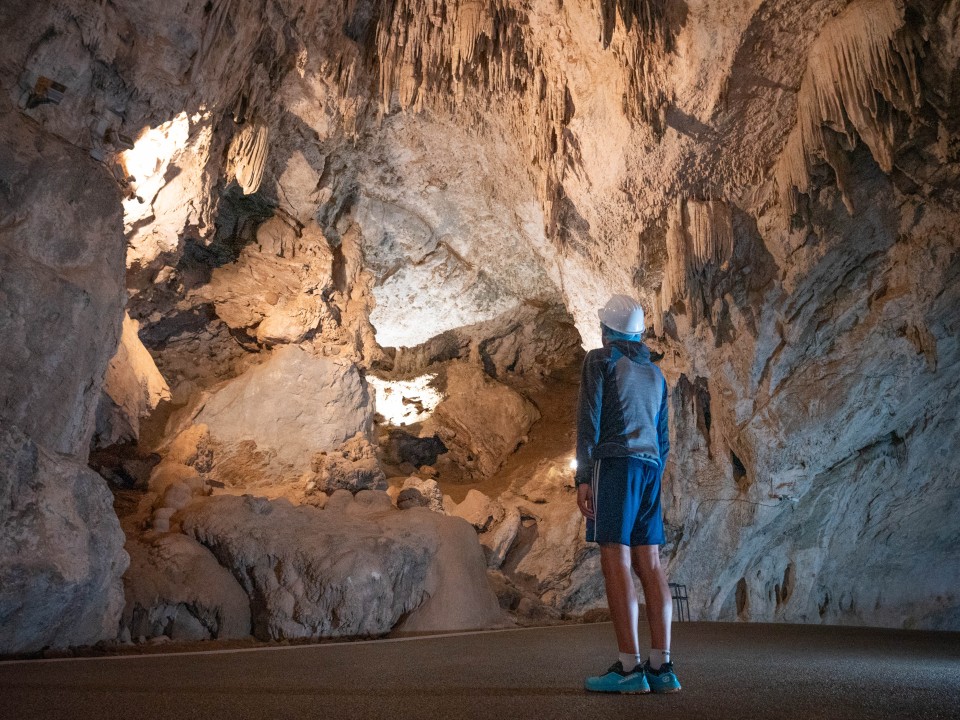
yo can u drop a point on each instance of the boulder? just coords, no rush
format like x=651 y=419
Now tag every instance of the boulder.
x=478 y=510
x=132 y=390
x=61 y=551
x=353 y=466
x=272 y=421
x=175 y=587
x=458 y=594
x=480 y=421
x=420 y=492
x=343 y=573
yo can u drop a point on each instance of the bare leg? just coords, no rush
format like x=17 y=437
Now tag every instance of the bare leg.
x=646 y=563
x=621 y=595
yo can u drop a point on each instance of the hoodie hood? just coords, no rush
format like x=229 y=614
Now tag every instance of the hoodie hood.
x=635 y=351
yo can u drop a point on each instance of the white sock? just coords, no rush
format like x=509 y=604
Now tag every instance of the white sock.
x=629 y=661
x=658 y=658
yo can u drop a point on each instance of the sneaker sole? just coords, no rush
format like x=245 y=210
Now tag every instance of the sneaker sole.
x=619 y=692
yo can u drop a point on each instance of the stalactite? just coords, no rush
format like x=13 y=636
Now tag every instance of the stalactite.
x=248 y=157
x=861 y=74
x=463 y=55
x=644 y=43
x=699 y=239
x=249 y=42
x=431 y=51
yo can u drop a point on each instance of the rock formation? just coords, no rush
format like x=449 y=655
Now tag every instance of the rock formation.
x=302 y=205
x=305 y=581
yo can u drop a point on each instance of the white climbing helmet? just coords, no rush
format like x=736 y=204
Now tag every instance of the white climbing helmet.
x=623 y=314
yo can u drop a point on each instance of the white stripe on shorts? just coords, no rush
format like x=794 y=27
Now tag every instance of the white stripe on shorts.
x=596 y=495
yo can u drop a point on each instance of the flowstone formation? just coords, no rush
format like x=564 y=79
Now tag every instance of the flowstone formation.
x=295 y=276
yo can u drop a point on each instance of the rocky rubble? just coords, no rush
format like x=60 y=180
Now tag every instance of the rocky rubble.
x=353 y=466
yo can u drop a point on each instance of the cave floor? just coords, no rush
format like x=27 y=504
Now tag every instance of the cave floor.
x=728 y=671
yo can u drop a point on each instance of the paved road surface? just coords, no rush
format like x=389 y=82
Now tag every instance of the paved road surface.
x=729 y=671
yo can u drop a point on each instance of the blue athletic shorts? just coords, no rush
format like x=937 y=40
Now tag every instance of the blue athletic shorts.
x=626 y=498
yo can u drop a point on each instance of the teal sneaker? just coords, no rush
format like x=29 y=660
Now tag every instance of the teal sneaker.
x=663 y=680
x=617 y=680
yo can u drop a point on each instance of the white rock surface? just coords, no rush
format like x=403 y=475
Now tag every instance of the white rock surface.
x=273 y=419
x=425 y=242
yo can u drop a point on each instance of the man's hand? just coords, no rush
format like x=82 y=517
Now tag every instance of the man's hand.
x=585 y=500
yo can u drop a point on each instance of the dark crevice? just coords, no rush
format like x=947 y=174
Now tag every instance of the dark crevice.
x=739 y=472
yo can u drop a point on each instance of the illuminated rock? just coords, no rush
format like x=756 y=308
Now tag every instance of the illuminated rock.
x=346 y=573
x=479 y=510
x=272 y=420
x=480 y=420
x=132 y=389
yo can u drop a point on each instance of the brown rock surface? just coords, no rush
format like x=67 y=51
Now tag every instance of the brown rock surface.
x=480 y=420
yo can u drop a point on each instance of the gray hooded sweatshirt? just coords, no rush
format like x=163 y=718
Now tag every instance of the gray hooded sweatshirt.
x=623 y=408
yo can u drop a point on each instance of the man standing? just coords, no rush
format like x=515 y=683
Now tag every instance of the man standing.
x=622 y=447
